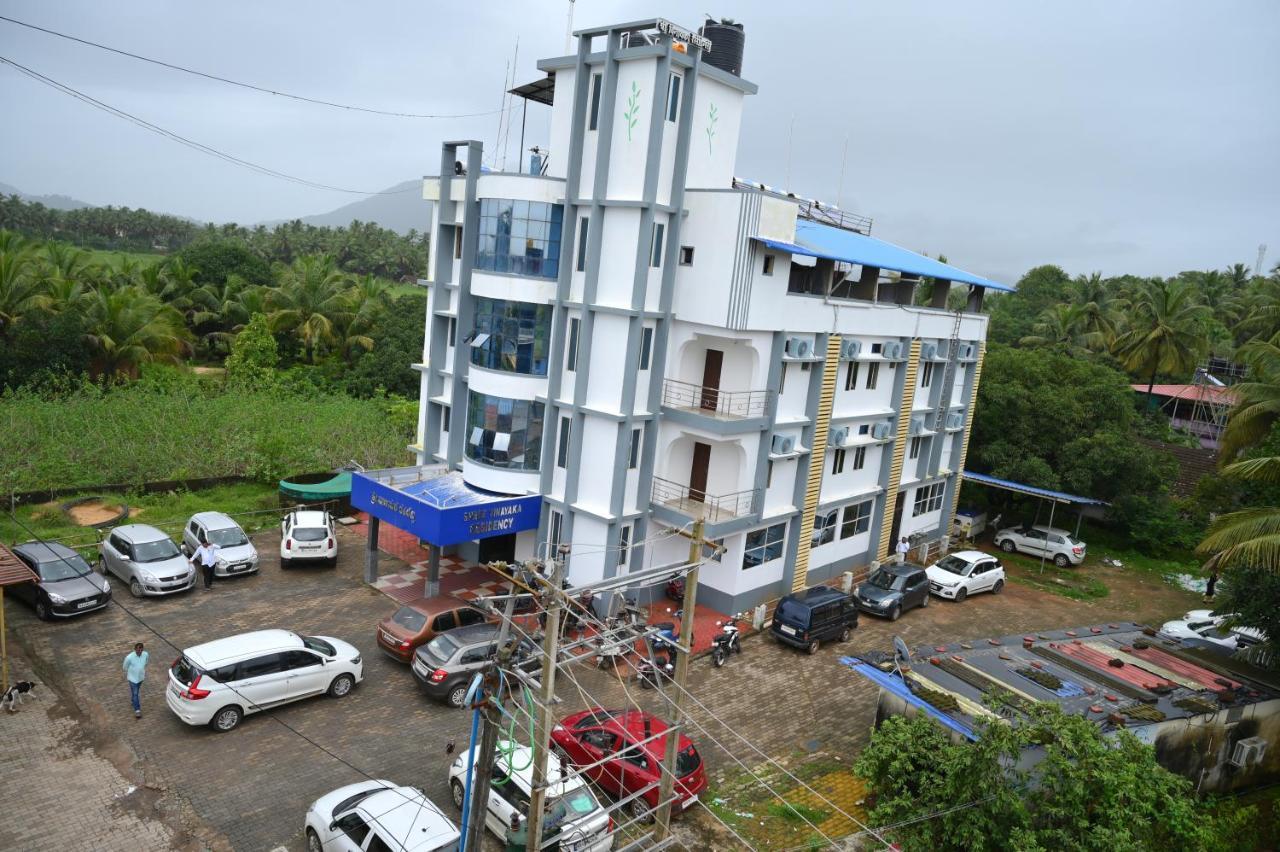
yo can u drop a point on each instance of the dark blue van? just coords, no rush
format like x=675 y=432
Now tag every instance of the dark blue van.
x=817 y=615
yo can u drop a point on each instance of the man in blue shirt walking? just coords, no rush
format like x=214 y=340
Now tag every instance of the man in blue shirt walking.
x=135 y=671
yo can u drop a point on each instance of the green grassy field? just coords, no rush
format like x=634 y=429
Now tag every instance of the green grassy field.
x=111 y=258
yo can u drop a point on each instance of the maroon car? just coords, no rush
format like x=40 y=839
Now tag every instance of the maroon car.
x=624 y=749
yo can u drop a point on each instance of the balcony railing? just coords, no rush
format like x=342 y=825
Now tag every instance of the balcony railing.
x=729 y=405
x=698 y=504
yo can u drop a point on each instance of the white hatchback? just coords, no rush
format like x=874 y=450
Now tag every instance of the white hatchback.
x=220 y=682
x=574 y=812
x=378 y=816
x=307 y=536
x=966 y=572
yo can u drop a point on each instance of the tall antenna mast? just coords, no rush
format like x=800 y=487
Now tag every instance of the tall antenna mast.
x=791 y=136
x=1257 y=266
x=568 y=31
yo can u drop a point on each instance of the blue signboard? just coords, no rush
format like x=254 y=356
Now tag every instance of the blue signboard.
x=444 y=510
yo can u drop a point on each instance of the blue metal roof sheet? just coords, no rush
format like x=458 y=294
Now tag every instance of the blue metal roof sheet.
x=814 y=239
x=893 y=683
x=1022 y=488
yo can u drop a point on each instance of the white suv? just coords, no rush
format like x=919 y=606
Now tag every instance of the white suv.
x=958 y=575
x=378 y=816
x=307 y=535
x=219 y=682
x=1058 y=545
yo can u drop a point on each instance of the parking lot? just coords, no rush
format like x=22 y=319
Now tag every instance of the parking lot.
x=249 y=789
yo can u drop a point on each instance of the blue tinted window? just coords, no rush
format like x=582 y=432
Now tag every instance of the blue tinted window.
x=511 y=336
x=504 y=432
x=519 y=237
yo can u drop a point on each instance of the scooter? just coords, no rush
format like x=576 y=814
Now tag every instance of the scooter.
x=656 y=669
x=727 y=641
x=675 y=588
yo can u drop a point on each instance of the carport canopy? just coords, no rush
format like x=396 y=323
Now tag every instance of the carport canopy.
x=1054 y=497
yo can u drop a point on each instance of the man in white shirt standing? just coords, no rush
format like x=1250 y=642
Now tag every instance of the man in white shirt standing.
x=903 y=548
x=135 y=671
x=206 y=558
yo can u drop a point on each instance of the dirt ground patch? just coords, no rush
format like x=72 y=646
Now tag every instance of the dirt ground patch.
x=93 y=512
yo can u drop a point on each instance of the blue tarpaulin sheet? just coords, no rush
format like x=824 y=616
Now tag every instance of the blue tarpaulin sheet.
x=814 y=239
x=892 y=683
x=1021 y=488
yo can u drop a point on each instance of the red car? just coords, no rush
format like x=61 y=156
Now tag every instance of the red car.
x=591 y=736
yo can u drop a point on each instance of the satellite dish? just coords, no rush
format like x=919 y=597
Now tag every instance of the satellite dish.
x=901 y=655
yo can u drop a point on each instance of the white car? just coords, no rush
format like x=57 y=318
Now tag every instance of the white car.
x=1059 y=545
x=236 y=554
x=220 y=682
x=378 y=816
x=574 y=811
x=1202 y=628
x=967 y=572
x=307 y=535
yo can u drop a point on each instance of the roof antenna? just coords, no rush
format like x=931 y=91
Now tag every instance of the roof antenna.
x=790 y=138
x=568 y=31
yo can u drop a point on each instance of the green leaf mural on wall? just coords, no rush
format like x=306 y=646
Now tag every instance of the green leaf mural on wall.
x=712 y=118
x=632 y=115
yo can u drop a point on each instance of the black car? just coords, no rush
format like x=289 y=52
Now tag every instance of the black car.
x=891 y=590
x=68 y=586
x=445 y=666
x=814 y=616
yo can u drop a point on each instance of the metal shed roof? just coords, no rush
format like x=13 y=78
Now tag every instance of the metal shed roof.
x=1023 y=488
x=814 y=239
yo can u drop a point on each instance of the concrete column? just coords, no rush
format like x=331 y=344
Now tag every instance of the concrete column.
x=371 y=554
x=433 y=571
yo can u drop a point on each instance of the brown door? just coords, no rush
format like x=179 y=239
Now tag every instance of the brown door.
x=698 y=472
x=897 y=523
x=711 y=379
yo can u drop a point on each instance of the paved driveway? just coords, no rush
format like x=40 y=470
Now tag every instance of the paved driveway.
x=249 y=789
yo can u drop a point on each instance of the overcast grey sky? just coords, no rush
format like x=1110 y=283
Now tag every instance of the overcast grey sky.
x=1137 y=137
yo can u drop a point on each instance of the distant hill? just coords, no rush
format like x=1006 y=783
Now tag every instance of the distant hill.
x=401 y=212
x=56 y=202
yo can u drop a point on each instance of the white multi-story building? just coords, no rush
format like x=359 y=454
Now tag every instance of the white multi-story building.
x=641 y=339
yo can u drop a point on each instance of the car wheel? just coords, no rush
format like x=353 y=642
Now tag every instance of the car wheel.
x=925 y=602
x=457 y=696
x=844 y=635
x=284 y=563
x=135 y=588
x=333 y=562
x=1061 y=560
x=814 y=646
x=227 y=719
x=717 y=657
x=961 y=595
x=341 y=685
x=640 y=810
x=458 y=792
x=313 y=842
x=43 y=612
x=998 y=587
x=896 y=612
x=1007 y=545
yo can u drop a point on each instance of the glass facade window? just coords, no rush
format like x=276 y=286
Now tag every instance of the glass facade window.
x=520 y=237
x=503 y=432
x=511 y=336
x=764 y=545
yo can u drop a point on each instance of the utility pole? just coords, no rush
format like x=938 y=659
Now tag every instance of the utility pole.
x=666 y=779
x=542 y=724
x=482 y=772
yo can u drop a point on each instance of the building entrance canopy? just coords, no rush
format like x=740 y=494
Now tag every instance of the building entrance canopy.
x=437 y=506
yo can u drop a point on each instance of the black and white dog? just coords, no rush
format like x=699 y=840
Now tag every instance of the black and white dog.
x=16 y=694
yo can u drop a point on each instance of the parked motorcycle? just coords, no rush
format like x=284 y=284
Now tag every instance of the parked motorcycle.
x=727 y=641
x=656 y=670
x=675 y=588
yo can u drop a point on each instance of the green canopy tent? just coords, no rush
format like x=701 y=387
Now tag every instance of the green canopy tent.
x=337 y=488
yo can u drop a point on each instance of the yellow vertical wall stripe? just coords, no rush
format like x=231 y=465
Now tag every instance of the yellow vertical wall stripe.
x=899 y=450
x=817 y=458
x=968 y=429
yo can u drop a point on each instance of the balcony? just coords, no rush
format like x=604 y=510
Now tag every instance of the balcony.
x=731 y=410
x=713 y=509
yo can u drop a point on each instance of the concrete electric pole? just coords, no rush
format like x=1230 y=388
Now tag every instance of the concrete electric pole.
x=491 y=718
x=542 y=724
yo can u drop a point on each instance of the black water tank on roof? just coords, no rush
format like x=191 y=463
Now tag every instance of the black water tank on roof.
x=727 y=43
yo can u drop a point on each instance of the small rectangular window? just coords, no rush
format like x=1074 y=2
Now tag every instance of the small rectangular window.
x=582 y=244
x=655 y=249
x=633 y=457
x=782 y=380
x=555 y=528
x=804 y=366
x=646 y=347
x=571 y=360
x=673 y=98
x=916 y=443
x=856 y=519
x=562 y=442
x=596 y=80
x=457 y=243
x=686 y=255
x=624 y=544
x=864 y=429
x=859 y=458
x=873 y=374
x=768 y=474
x=837 y=462
x=444 y=418
x=876 y=347
x=851 y=376
x=453 y=331
x=926 y=377
x=768 y=264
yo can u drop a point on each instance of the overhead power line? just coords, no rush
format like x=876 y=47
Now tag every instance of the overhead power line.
x=190 y=143
x=263 y=89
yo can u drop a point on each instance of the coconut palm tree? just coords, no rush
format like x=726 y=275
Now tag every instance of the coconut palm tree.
x=1063 y=326
x=1165 y=331
x=128 y=327
x=19 y=285
x=1099 y=303
x=312 y=295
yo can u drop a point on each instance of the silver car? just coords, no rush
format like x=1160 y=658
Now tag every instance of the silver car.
x=236 y=554
x=1059 y=545
x=147 y=559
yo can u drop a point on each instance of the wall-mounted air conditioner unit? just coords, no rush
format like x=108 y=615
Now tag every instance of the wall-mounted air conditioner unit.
x=892 y=351
x=783 y=444
x=850 y=349
x=916 y=427
x=838 y=436
x=929 y=352
x=955 y=420
x=967 y=352
x=1248 y=751
x=798 y=347
x=806 y=348
x=881 y=430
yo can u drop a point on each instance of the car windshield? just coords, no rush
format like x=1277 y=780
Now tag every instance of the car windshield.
x=793 y=611
x=154 y=551
x=64 y=568
x=889 y=582
x=440 y=648
x=319 y=646
x=687 y=761
x=409 y=618
x=228 y=537
x=309 y=533
x=954 y=564
x=1197 y=626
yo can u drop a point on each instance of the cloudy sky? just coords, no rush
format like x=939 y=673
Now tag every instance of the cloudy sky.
x=1137 y=137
